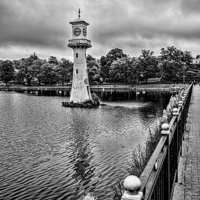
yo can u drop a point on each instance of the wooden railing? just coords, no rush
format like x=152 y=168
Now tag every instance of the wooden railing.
x=161 y=172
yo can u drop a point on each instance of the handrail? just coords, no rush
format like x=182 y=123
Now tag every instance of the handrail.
x=154 y=176
x=161 y=171
x=151 y=163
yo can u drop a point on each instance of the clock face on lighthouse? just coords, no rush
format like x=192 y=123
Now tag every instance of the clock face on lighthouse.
x=77 y=31
x=84 y=31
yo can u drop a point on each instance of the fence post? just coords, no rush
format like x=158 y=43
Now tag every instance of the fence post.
x=181 y=129
x=132 y=185
x=184 y=112
x=165 y=132
x=180 y=103
x=175 y=112
x=176 y=135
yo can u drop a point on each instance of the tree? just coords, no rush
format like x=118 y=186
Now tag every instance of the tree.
x=179 y=59
x=6 y=71
x=27 y=68
x=104 y=70
x=53 y=60
x=93 y=69
x=94 y=74
x=187 y=58
x=171 y=54
x=107 y=61
x=169 y=69
x=89 y=58
x=16 y=64
x=64 y=70
x=136 y=70
x=147 y=64
x=34 y=56
x=122 y=70
x=37 y=67
x=49 y=73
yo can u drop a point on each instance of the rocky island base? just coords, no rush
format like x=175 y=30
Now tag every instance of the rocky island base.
x=87 y=104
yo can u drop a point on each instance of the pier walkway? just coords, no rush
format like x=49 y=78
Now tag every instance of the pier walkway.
x=188 y=186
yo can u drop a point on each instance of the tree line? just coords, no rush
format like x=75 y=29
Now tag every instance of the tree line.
x=115 y=67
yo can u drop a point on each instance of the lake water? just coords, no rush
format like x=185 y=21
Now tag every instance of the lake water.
x=51 y=152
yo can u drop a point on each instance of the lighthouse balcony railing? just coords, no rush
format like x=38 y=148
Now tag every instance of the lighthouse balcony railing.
x=77 y=42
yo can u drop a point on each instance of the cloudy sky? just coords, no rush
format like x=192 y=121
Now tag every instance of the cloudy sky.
x=42 y=26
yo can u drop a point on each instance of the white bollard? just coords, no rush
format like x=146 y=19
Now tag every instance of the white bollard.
x=175 y=112
x=180 y=103
x=132 y=185
x=165 y=129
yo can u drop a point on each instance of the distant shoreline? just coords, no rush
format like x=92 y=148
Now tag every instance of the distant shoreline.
x=97 y=87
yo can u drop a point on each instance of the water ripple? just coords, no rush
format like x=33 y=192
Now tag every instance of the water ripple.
x=51 y=152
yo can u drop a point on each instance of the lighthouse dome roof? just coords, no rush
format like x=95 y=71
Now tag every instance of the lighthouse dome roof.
x=79 y=21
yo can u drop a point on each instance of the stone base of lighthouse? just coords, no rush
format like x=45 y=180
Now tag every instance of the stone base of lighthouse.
x=92 y=103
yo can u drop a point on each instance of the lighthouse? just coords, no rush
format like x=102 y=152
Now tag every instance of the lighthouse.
x=80 y=91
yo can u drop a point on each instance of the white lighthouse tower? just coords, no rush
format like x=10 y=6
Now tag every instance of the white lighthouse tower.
x=80 y=91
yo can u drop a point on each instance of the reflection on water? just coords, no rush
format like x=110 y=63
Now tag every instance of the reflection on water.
x=51 y=152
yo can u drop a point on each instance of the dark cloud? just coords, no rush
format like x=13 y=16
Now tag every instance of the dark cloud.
x=32 y=23
x=148 y=23
x=191 y=7
x=132 y=25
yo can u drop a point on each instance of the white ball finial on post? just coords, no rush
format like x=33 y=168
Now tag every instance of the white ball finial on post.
x=132 y=185
x=180 y=103
x=175 y=112
x=165 y=129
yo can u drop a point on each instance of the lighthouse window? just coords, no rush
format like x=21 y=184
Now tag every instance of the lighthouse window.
x=77 y=55
x=77 y=71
